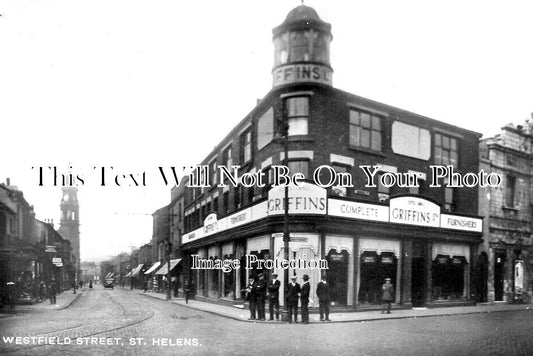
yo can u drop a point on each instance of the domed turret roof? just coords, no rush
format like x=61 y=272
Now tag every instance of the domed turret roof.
x=302 y=18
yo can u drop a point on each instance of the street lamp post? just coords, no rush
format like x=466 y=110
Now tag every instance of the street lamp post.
x=286 y=234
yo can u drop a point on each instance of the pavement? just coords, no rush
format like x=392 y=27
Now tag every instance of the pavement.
x=240 y=313
x=63 y=301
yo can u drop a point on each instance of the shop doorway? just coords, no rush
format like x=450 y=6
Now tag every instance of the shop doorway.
x=499 y=274
x=482 y=273
x=374 y=269
x=418 y=281
x=337 y=276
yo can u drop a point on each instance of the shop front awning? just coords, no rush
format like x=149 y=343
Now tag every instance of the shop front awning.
x=153 y=268
x=164 y=269
x=137 y=270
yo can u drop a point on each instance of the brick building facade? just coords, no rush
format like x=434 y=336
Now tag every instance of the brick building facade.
x=425 y=239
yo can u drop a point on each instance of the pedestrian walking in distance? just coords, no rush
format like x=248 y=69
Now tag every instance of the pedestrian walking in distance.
x=52 y=291
x=273 y=296
x=187 y=291
x=322 y=291
x=304 y=299
x=293 y=292
x=387 y=295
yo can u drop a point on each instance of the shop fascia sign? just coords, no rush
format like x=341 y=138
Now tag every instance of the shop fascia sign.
x=404 y=210
x=414 y=211
x=50 y=248
x=310 y=199
x=302 y=73
x=303 y=199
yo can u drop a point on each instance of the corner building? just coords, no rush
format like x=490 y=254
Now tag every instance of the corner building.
x=425 y=239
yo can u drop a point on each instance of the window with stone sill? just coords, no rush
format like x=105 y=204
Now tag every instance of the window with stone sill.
x=297 y=115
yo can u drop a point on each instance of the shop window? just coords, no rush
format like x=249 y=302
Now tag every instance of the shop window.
x=229 y=279
x=255 y=270
x=374 y=269
x=365 y=130
x=297 y=115
x=445 y=150
x=337 y=276
x=448 y=276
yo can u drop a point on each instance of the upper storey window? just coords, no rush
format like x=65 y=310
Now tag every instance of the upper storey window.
x=365 y=130
x=445 y=150
x=246 y=146
x=298 y=115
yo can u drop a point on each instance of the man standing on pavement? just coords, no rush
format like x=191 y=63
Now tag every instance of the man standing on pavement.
x=387 y=295
x=52 y=291
x=260 y=287
x=322 y=291
x=292 y=299
x=304 y=298
x=250 y=297
x=273 y=296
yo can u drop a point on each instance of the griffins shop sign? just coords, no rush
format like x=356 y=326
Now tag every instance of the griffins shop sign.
x=303 y=199
x=414 y=211
x=301 y=73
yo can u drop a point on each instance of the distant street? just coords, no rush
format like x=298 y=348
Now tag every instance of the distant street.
x=107 y=322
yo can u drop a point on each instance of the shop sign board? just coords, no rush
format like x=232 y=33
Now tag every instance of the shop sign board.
x=303 y=199
x=50 y=248
x=302 y=73
x=356 y=210
x=463 y=223
x=414 y=211
x=56 y=260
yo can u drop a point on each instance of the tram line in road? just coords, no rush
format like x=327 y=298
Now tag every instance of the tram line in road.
x=130 y=313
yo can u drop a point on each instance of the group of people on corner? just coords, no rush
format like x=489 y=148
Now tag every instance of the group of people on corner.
x=257 y=291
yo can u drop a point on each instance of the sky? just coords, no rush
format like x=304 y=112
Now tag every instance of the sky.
x=138 y=84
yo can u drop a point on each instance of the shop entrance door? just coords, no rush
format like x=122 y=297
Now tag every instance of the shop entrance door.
x=418 y=282
x=337 y=276
x=499 y=274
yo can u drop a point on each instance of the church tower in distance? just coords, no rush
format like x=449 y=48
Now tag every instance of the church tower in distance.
x=69 y=226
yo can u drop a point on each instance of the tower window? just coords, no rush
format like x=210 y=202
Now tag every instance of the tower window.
x=297 y=115
x=365 y=130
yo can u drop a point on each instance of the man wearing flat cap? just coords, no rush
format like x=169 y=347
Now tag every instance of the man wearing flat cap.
x=260 y=287
x=304 y=299
x=387 y=295
x=273 y=296
x=293 y=291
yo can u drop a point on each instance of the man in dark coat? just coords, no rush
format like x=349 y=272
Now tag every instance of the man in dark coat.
x=260 y=287
x=387 y=295
x=250 y=297
x=273 y=296
x=293 y=291
x=322 y=291
x=304 y=299
x=52 y=291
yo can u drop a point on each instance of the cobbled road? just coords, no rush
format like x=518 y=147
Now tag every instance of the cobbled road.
x=122 y=322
